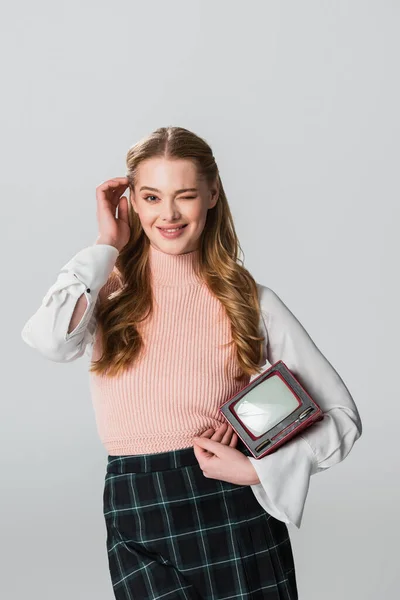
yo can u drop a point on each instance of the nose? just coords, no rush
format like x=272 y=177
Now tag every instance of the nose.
x=170 y=212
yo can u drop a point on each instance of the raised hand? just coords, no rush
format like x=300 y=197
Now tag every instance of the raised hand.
x=113 y=230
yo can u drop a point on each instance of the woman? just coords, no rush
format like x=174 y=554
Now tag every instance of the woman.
x=175 y=325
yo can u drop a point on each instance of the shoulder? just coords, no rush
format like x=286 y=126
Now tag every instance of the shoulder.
x=268 y=298
x=265 y=296
x=273 y=308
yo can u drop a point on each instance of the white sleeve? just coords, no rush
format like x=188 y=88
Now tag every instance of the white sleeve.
x=285 y=474
x=47 y=329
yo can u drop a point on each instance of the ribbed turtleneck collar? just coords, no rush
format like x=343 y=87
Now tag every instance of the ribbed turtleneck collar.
x=173 y=269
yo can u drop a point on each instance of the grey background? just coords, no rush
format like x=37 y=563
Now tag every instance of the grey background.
x=300 y=103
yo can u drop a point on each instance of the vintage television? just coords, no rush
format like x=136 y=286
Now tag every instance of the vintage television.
x=270 y=410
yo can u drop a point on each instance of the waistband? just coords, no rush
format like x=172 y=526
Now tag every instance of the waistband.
x=160 y=461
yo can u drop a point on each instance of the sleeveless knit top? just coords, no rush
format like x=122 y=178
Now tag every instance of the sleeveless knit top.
x=174 y=391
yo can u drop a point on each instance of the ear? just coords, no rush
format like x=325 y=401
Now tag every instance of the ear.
x=214 y=195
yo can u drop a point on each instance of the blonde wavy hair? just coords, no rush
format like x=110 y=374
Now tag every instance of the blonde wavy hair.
x=117 y=316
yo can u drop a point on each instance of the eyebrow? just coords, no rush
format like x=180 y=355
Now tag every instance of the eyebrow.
x=146 y=187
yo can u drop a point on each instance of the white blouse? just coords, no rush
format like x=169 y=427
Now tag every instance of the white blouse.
x=284 y=474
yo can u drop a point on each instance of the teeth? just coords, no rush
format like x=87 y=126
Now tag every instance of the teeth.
x=171 y=230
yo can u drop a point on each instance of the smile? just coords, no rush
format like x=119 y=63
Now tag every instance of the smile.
x=172 y=229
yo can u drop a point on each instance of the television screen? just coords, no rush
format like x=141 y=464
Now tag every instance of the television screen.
x=266 y=405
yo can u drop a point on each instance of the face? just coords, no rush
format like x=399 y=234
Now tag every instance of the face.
x=168 y=194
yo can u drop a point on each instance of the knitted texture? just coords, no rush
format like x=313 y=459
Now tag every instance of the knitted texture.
x=174 y=391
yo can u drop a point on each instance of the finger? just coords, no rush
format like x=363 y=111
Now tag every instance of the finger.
x=118 y=180
x=114 y=189
x=208 y=432
x=110 y=193
x=114 y=183
x=117 y=190
x=223 y=433
x=219 y=433
x=234 y=440
x=123 y=213
x=228 y=434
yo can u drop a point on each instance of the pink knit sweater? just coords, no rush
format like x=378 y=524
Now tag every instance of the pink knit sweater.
x=174 y=392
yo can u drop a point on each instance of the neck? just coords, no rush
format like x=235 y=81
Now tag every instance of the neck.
x=173 y=269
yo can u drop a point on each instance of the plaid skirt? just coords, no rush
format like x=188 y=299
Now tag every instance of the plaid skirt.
x=174 y=534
